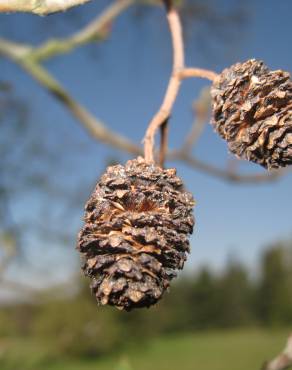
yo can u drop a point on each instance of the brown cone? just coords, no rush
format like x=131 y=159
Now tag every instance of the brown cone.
x=252 y=111
x=137 y=224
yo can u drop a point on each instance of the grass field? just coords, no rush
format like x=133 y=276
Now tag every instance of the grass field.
x=218 y=350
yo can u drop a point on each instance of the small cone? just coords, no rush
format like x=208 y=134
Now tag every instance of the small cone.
x=252 y=111
x=137 y=224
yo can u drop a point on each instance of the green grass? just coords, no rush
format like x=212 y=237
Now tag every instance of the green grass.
x=217 y=350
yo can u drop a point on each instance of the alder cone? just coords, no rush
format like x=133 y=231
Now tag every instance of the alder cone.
x=137 y=224
x=252 y=111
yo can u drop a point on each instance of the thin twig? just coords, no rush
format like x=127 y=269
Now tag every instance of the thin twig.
x=96 y=30
x=224 y=174
x=40 y=7
x=179 y=72
x=201 y=110
x=96 y=128
x=174 y=83
x=198 y=72
x=163 y=143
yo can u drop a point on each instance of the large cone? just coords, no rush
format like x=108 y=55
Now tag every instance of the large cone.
x=252 y=111
x=137 y=224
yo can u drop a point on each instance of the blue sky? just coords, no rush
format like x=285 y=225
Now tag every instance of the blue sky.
x=122 y=82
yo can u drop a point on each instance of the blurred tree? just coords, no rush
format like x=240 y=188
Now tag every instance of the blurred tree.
x=235 y=296
x=204 y=300
x=274 y=292
x=75 y=327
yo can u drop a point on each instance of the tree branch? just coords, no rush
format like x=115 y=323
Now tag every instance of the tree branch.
x=201 y=109
x=20 y=54
x=39 y=7
x=283 y=361
x=96 y=128
x=163 y=143
x=224 y=174
x=96 y=30
x=198 y=72
x=163 y=114
x=179 y=72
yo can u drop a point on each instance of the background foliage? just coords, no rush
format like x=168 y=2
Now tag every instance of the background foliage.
x=74 y=327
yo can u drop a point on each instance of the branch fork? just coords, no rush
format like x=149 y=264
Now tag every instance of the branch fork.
x=179 y=73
